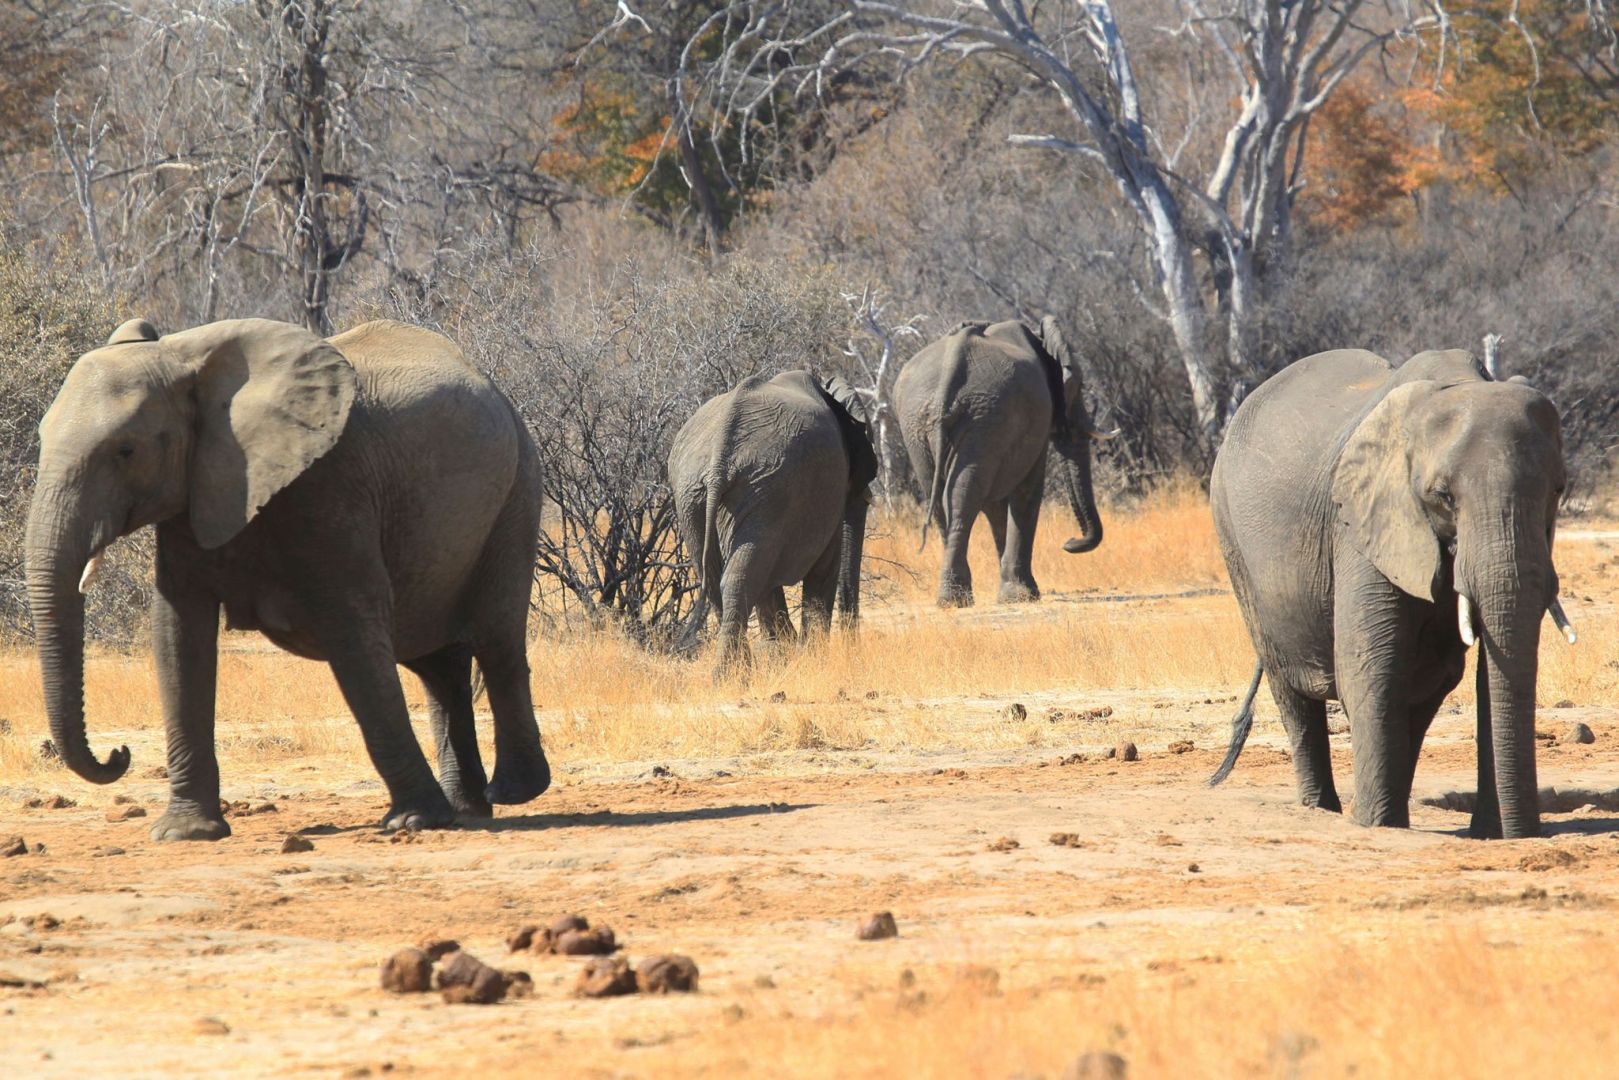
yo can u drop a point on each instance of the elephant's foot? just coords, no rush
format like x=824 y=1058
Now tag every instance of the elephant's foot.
x=1018 y=592
x=1485 y=827
x=953 y=596
x=469 y=806
x=432 y=811
x=189 y=823
x=1380 y=817
x=521 y=783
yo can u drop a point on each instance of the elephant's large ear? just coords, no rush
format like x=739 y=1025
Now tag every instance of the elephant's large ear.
x=271 y=398
x=1061 y=370
x=1372 y=487
x=850 y=410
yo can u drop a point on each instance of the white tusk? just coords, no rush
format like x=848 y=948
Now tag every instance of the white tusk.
x=1556 y=608
x=1104 y=436
x=1464 y=619
x=91 y=569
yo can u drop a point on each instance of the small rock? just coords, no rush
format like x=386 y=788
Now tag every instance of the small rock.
x=1565 y=703
x=1193 y=868
x=106 y=852
x=158 y=772
x=1015 y=712
x=1127 y=751
x=598 y=941
x=126 y=813
x=295 y=843
x=1098 y=1065
x=733 y=1013
x=521 y=938
x=605 y=976
x=1110 y=753
x=670 y=974
x=439 y=948
x=1066 y=839
x=211 y=1025
x=1181 y=746
x=660 y=772
x=1577 y=733
x=16 y=845
x=907 y=979
x=466 y=980
x=778 y=697
x=872 y=695
x=39 y=849
x=55 y=802
x=763 y=982
x=1005 y=843
x=1096 y=712
x=878 y=927
x=408 y=971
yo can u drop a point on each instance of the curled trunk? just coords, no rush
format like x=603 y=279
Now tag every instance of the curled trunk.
x=57 y=553
x=1075 y=453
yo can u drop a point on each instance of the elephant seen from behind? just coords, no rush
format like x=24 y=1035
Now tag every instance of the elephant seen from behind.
x=771 y=488
x=977 y=409
x=367 y=500
x=1376 y=522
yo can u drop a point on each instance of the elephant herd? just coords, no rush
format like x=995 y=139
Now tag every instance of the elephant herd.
x=372 y=501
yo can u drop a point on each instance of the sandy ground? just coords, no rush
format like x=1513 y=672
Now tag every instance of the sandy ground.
x=237 y=959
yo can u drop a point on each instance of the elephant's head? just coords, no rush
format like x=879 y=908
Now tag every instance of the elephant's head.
x=208 y=423
x=1450 y=487
x=1072 y=433
x=853 y=421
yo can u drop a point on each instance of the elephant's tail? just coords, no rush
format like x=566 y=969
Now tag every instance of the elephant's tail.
x=1241 y=724
x=711 y=565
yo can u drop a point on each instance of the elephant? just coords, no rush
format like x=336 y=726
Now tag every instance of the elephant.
x=771 y=484
x=976 y=409
x=1376 y=521
x=366 y=500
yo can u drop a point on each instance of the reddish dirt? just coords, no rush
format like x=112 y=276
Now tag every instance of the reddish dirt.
x=121 y=956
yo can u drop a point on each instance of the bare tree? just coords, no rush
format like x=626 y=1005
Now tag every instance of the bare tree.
x=1217 y=224
x=875 y=382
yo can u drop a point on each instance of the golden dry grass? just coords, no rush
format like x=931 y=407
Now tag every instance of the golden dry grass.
x=1405 y=1004
x=900 y=685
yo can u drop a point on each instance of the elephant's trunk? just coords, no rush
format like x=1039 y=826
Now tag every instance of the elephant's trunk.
x=58 y=547
x=1075 y=452
x=1509 y=598
x=1510 y=644
x=854 y=543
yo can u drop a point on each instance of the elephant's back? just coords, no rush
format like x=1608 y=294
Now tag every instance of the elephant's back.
x=1270 y=494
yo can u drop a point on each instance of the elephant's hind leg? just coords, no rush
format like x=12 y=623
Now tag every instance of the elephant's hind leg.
x=521 y=769
x=1305 y=720
x=821 y=591
x=447 y=677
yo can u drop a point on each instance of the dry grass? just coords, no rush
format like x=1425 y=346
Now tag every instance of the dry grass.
x=915 y=678
x=1407 y=1003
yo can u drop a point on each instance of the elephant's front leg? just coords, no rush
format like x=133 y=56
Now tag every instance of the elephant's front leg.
x=359 y=647
x=1017 y=560
x=1374 y=633
x=185 y=646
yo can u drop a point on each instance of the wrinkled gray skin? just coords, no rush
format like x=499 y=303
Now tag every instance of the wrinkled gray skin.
x=1353 y=501
x=367 y=501
x=770 y=483
x=977 y=409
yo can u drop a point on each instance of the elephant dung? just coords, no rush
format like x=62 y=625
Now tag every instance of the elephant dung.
x=1182 y=746
x=668 y=974
x=408 y=971
x=596 y=942
x=879 y=927
x=466 y=980
x=521 y=938
x=1015 y=712
x=16 y=845
x=295 y=843
x=1126 y=751
x=125 y=813
x=519 y=984
x=605 y=976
